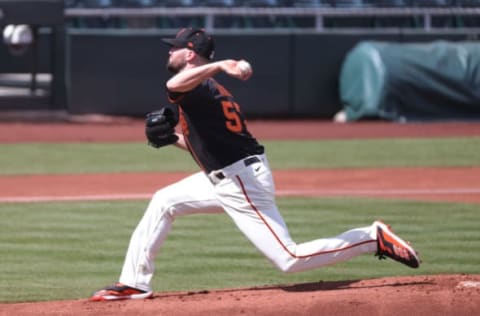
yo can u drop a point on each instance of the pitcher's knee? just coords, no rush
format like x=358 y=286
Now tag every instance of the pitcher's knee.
x=162 y=204
x=285 y=266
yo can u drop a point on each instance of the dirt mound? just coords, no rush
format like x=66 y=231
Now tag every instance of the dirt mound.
x=420 y=295
x=412 y=295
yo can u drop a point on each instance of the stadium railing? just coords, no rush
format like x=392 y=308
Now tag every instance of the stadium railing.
x=317 y=15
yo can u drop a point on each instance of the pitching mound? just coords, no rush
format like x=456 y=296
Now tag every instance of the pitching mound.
x=419 y=295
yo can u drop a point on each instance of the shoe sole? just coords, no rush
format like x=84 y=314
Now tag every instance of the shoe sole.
x=399 y=240
x=141 y=296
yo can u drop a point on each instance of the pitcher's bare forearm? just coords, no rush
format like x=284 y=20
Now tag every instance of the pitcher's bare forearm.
x=181 y=142
x=188 y=79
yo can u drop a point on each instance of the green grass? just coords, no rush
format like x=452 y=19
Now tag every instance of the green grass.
x=67 y=250
x=137 y=157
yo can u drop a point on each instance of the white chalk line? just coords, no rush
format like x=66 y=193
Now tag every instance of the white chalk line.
x=297 y=192
x=66 y=198
x=381 y=192
x=469 y=284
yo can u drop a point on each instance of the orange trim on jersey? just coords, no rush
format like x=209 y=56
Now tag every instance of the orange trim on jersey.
x=278 y=238
x=183 y=122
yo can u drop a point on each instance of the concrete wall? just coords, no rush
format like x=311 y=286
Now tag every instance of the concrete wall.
x=295 y=75
x=123 y=73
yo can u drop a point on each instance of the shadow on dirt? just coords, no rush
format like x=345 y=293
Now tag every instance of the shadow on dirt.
x=343 y=285
x=314 y=286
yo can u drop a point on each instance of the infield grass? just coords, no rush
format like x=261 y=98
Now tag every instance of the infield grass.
x=53 y=251
x=137 y=157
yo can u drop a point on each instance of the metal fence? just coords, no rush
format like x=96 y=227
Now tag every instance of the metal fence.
x=317 y=19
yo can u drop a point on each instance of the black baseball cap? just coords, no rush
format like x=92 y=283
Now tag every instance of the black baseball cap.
x=194 y=39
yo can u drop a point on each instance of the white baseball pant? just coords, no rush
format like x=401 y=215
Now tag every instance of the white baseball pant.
x=247 y=194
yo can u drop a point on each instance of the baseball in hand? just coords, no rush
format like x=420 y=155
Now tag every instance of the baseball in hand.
x=245 y=68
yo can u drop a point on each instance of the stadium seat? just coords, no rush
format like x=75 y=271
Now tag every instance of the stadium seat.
x=269 y=21
x=176 y=3
x=433 y=3
x=347 y=21
x=97 y=3
x=137 y=22
x=306 y=21
x=179 y=21
x=98 y=22
x=462 y=21
x=392 y=3
x=219 y=3
x=439 y=21
x=351 y=3
x=137 y=3
x=468 y=3
x=71 y=3
x=261 y=3
x=225 y=21
x=310 y=3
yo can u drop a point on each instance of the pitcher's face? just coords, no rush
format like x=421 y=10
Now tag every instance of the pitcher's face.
x=177 y=59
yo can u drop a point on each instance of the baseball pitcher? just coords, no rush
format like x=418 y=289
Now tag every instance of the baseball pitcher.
x=235 y=178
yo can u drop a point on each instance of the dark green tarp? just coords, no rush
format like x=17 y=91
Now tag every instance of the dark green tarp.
x=412 y=81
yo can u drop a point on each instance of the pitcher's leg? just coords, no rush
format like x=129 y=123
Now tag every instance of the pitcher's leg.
x=255 y=213
x=191 y=195
x=328 y=251
x=266 y=231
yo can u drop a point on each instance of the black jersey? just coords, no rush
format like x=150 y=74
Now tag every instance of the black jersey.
x=213 y=126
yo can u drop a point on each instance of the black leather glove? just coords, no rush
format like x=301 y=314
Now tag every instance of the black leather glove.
x=160 y=127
